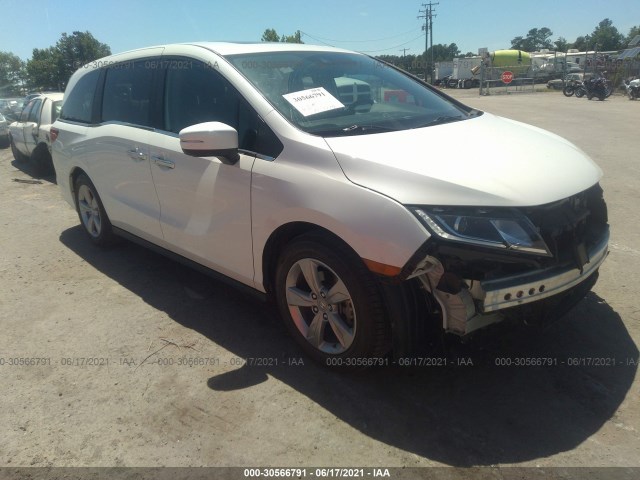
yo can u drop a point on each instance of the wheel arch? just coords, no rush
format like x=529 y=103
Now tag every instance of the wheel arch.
x=73 y=176
x=280 y=238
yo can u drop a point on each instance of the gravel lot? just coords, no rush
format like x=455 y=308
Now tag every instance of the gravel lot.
x=133 y=360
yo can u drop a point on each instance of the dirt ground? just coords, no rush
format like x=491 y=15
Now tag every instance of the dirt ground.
x=124 y=358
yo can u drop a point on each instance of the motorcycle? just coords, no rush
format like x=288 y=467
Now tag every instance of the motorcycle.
x=572 y=87
x=633 y=88
x=597 y=87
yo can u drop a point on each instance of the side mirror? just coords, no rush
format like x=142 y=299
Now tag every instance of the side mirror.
x=211 y=139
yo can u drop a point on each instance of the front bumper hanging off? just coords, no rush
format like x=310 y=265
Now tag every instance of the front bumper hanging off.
x=483 y=302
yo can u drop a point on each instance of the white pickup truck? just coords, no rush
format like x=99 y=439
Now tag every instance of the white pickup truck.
x=29 y=135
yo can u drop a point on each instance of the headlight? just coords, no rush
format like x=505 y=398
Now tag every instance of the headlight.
x=497 y=228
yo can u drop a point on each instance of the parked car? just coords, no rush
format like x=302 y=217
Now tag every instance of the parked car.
x=30 y=137
x=242 y=159
x=559 y=83
x=4 y=131
x=11 y=108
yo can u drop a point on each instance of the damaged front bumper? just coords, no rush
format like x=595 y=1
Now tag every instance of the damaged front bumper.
x=483 y=302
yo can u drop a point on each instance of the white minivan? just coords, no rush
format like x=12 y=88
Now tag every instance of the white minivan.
x=351 y=212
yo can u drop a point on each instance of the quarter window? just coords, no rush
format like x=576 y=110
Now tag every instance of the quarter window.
x=78 y=105
x=24 y=116
x=127 y=94
x=35 y=110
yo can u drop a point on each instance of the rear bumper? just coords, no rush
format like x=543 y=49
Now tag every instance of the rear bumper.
x=534 y=286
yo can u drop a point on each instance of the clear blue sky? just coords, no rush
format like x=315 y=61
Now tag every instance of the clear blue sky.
x=373 y=26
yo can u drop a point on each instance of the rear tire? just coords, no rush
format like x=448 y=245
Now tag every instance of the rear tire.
x=568 y=91
x=41 y=159
x=331 y=303
x=17 y=155
x=93 y=217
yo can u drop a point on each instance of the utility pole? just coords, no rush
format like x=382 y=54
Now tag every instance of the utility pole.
x=404 y=55
x=427 y=14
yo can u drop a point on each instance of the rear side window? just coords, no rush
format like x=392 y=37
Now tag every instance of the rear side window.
x=35 y=110
x=24 y=116
x=78 y=105
x=56 y=107
x=127 y=94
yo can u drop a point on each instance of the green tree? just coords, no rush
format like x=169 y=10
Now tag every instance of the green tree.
x=632 y=34
x=270 y=35
x=295 y=38
x=561 y=44
x=50 y=68
x=582 y=43
x=607 y=37
x=42 y=69
x=76 y=50
x=12 y=75
x=442 y=52
x=536 y=39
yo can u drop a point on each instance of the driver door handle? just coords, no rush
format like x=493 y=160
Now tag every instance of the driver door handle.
x=163 y=162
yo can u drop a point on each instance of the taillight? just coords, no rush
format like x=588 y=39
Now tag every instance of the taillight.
x=54 y=134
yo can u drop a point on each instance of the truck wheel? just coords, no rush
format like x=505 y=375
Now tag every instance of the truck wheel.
x=331 y=303
x=91 y=212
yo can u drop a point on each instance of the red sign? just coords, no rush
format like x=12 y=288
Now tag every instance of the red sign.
x=507 y=77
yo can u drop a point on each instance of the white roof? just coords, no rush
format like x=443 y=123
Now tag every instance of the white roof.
x=233 y=48
x=52 y=95
x=228 y=48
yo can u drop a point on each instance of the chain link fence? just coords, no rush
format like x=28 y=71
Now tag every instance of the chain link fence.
x=507 y=79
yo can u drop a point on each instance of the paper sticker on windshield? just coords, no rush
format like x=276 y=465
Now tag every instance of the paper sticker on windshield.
x=312 y=101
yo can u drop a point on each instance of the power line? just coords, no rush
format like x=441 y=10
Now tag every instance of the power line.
x=368 y=51
x=358 y=41
x=391 y=48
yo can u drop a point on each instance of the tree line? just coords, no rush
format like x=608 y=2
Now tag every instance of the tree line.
x=605 y=37
x=50 y=68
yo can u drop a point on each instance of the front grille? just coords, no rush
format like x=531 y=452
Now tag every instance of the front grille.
x=570 y=226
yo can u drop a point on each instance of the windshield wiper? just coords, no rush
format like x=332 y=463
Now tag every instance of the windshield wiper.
x=442 y=119
x=352 y=130
x=367 y=129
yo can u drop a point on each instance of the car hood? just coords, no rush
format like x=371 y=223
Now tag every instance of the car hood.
x=486 y=160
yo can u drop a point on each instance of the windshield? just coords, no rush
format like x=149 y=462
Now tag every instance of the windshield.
x=336 y=94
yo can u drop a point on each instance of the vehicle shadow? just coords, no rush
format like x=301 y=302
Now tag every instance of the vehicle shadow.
x=459 y=414
x=30 y=169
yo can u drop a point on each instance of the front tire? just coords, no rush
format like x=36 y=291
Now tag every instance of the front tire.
x=92 y=215
x=331 y=303
x=568 y=91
